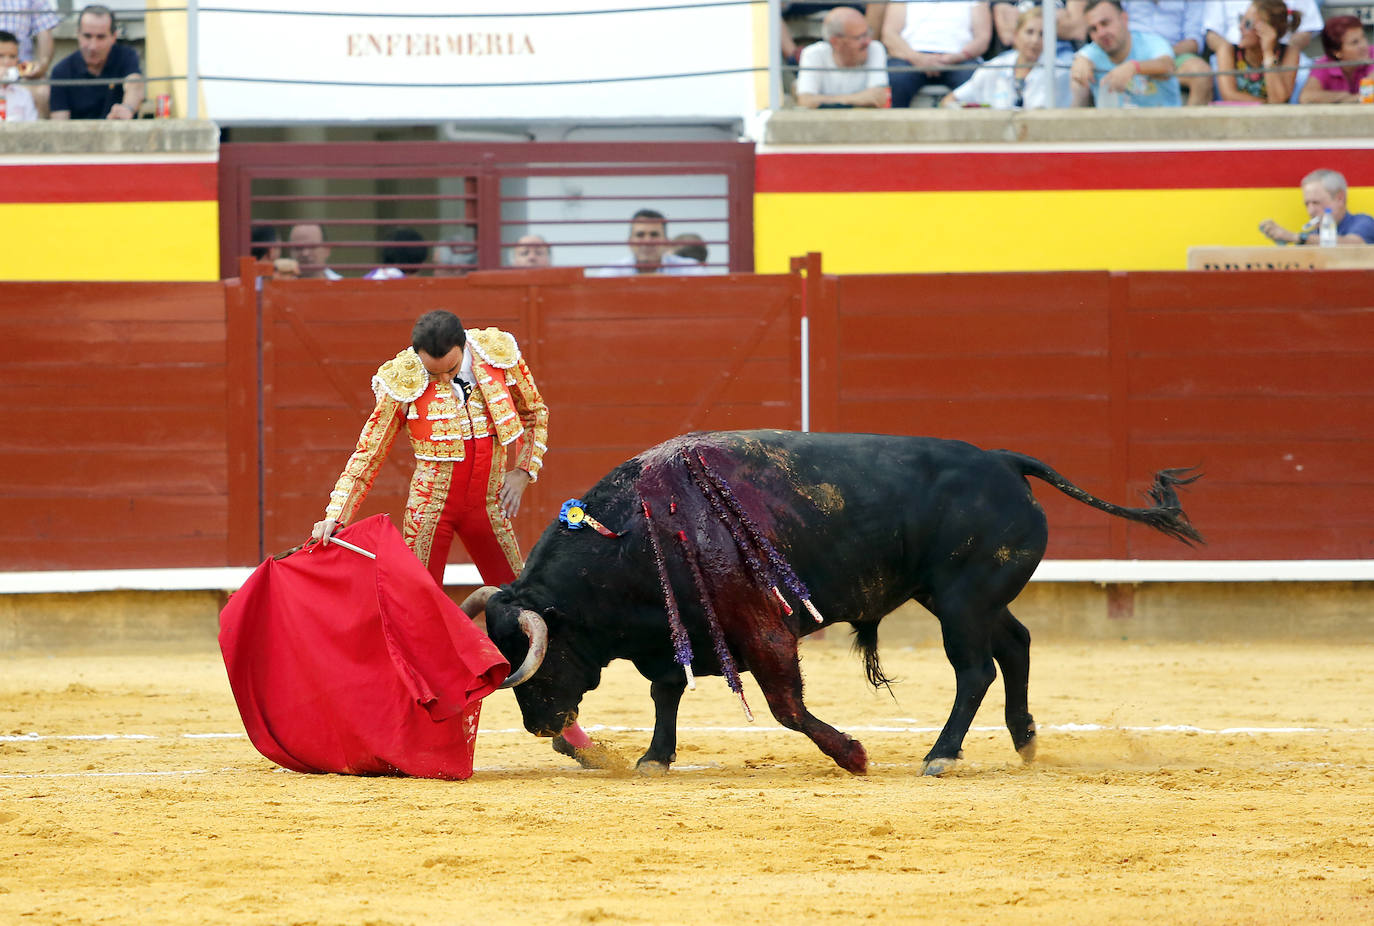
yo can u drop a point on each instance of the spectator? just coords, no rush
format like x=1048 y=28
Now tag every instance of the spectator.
x=1069 y=30
x=530 y=251
x=650 y=250
x=1322 y=190
x=18 y=103
x=1015 y=79
x=1221 y=25
x=932 y=36
x=456 y=258
x=1122 y=67
x=1180 y=23
x=264 y=245
x=1336 y=76
x=286 y=268
x=1262 y=28
x=402 y=256
x=690 y=246
x=311 y=253
x=848 y=68
x=32 y=23
x=872 y=13
x=98 y=55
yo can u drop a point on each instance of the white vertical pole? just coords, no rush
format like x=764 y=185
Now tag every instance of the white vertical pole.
x=1049 y=52
x=774 y=55
x=805 y=375
x=192 y=59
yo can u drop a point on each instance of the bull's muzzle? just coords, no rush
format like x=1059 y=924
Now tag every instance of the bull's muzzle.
x=536 y=631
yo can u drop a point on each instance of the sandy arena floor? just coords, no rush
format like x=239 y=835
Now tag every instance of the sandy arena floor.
x=1175 y=784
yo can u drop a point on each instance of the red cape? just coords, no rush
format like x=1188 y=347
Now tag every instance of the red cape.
x=340 y=663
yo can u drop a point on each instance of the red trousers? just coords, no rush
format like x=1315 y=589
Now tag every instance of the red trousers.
x=462 y=498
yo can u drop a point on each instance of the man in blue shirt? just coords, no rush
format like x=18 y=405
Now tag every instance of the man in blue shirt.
x=1323 y=190
x=1122 y=67
x=98 y=56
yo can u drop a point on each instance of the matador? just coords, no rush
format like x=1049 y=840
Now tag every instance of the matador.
x=464 y=397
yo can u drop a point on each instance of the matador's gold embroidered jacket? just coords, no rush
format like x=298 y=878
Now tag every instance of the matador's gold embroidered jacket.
x=504 y=403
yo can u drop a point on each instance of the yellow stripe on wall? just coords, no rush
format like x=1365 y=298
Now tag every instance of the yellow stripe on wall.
x=997 y=231
x=168 y=241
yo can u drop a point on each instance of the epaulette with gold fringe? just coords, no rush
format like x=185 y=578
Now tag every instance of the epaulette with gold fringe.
x=403 y=378
x=495 y=346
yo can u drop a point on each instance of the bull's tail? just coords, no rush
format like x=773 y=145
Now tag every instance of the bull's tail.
x=1165 y=515
x=866 y=642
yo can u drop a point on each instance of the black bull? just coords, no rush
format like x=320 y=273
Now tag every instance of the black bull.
x=867 y=522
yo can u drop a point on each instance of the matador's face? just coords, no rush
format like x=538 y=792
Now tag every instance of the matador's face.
x=443 y=369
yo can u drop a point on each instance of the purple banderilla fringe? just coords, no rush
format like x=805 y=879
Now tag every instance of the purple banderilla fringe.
x=727 y=662
x=760 y=571
x=763 y=572
x=682 y=647
x=789 y=578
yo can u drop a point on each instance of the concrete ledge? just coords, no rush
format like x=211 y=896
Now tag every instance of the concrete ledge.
x=1308 y=125
x=141 y=621
x=88 y=137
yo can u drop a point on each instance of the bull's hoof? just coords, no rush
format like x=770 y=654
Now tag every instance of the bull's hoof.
x=1027 y=752
x=938 y=767
x=854 y=759
x=652 y=768
x=595 y=756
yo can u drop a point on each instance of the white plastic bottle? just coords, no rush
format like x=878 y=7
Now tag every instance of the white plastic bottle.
x=1326 y=231
x=1003 y=96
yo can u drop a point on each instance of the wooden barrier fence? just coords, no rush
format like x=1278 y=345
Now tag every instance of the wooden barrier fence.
x=178 y=425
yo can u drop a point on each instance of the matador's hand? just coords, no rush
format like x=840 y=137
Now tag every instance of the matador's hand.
x=324 y=529
x=512 y=488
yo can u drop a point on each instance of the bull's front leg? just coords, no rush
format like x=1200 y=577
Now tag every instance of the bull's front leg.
x=771 y=654
x=662 y=751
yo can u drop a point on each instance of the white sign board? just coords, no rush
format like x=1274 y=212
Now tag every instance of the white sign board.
x=439 y=60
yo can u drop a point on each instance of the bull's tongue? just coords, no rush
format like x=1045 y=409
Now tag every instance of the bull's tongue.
x=576 y=736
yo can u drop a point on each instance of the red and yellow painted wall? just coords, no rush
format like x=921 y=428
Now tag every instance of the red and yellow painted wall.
x=110 y=217
x=929 y=209
x=868 y=209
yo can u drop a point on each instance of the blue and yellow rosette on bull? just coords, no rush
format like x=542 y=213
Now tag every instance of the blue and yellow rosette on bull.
x=575 y=517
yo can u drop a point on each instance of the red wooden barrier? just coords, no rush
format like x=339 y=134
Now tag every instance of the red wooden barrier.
x=134 y=432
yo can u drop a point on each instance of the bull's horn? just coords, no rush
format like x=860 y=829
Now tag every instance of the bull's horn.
x=538 y=633
x=474 y=604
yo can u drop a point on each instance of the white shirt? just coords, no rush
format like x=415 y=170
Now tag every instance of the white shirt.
x=938 y=27
x=19 y=104
x=983 y=85
x=331 y=275
x=671 y=265
x=1223 y=17
x=818 y=56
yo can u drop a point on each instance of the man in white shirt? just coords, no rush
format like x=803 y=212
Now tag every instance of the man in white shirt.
x=651 y=251
x=311 y=253
x=848 y=68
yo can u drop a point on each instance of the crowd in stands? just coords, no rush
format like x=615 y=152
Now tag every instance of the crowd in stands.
x=405 y=252
x=106 y=74
x=1108 y=54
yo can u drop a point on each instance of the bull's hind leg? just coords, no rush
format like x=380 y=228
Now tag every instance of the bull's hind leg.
x=967 y=625
x=771 y=654
x=1011 y=649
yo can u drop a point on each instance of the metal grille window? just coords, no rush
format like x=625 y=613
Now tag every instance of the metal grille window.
x=468 y=204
